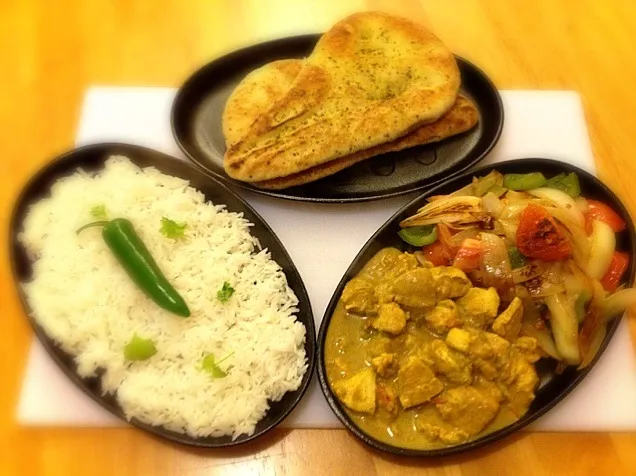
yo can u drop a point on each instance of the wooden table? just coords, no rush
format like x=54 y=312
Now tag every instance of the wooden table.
x=51 y=51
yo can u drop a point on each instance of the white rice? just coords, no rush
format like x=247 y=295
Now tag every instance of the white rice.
x=85 y=301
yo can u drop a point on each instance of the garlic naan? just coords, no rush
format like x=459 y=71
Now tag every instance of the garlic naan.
x=371 y=78
x=265 y=85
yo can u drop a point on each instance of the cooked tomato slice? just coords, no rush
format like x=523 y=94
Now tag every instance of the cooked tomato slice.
x=435 y=254
x=445 y=237
x=539 y=236
x=599 y=211
x=468 y=257
x=615 y=272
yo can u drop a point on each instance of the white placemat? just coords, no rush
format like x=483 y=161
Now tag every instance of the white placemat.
x=323 y=239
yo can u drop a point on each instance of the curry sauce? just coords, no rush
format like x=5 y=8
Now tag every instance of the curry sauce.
x=420 y=358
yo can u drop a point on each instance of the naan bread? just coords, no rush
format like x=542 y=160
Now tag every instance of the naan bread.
x=265 y=85
x=371 y=79
x=462 y=117
x=255 y=94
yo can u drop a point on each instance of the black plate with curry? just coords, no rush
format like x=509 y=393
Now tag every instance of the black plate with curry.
x=428 y=418
x=197 y=127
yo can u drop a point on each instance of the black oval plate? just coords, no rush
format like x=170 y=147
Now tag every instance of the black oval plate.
x=92 y=158
x=553 y=388
x=198 y=109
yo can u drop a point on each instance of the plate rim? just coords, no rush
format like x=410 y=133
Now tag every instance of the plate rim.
x=506 y=431
x=274 y=43
x=56 y=353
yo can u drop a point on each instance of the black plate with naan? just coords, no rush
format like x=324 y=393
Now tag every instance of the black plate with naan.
x=92 y=158
x=197 y=127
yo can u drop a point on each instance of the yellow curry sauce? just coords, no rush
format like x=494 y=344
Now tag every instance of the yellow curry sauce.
x=420 y=358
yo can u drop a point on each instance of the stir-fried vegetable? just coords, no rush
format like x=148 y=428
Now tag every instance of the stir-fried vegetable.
x=139 y=349
x=495 y=265
x=561 y=200
x=524 y=181
x=603 y=244
x=434 y=253
x=517 y=260
x=543 y=242
x=469 y=255
x=615 y=271
x=565 y=327
x=580 y=304
x=456 y=211
x=485 y=184
x=576 y=234
x=492 y=204
x=618 y=302
x=540 y=237
x=120 y=236
x=419 y=235
x=599 y=211
x=528 y=272
x=569 y=183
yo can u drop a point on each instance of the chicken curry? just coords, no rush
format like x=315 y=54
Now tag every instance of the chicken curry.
x=420 y=358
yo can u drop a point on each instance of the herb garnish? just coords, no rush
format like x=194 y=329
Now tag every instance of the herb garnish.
x=99 y=212
x=225 y=293
x=172 y=229
x=210 y=365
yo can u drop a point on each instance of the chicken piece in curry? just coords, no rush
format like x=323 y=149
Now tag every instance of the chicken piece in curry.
x=420 y=358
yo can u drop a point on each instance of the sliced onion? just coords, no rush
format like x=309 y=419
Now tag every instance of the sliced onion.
x=579 y=239
x=593 y=324
x=514 y=196
x=492 y=204
x=561 y=200
x=528 y=272
x=581 y=204
x=458 y=238
x=498 y=229
x=565 y=327
x=509 y=228
x=436 y=197
x=512 y=209
x=483 y=184
x=450 y=204
x=603 y=244
x=530 y=324
x=575 y=280
x=618 y=302
x=467 y=191
x=595 y=345
x=495 y=263
x=544 y=339
x=547 y=289
x=460 y=211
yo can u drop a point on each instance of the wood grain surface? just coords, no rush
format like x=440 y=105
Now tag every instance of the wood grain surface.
x=50 y=51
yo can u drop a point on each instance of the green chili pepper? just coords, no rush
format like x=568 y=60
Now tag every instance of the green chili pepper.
x=517 y=260
x=419 y=235
x=567 y=183
x=120 y=236
x=524 y=181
